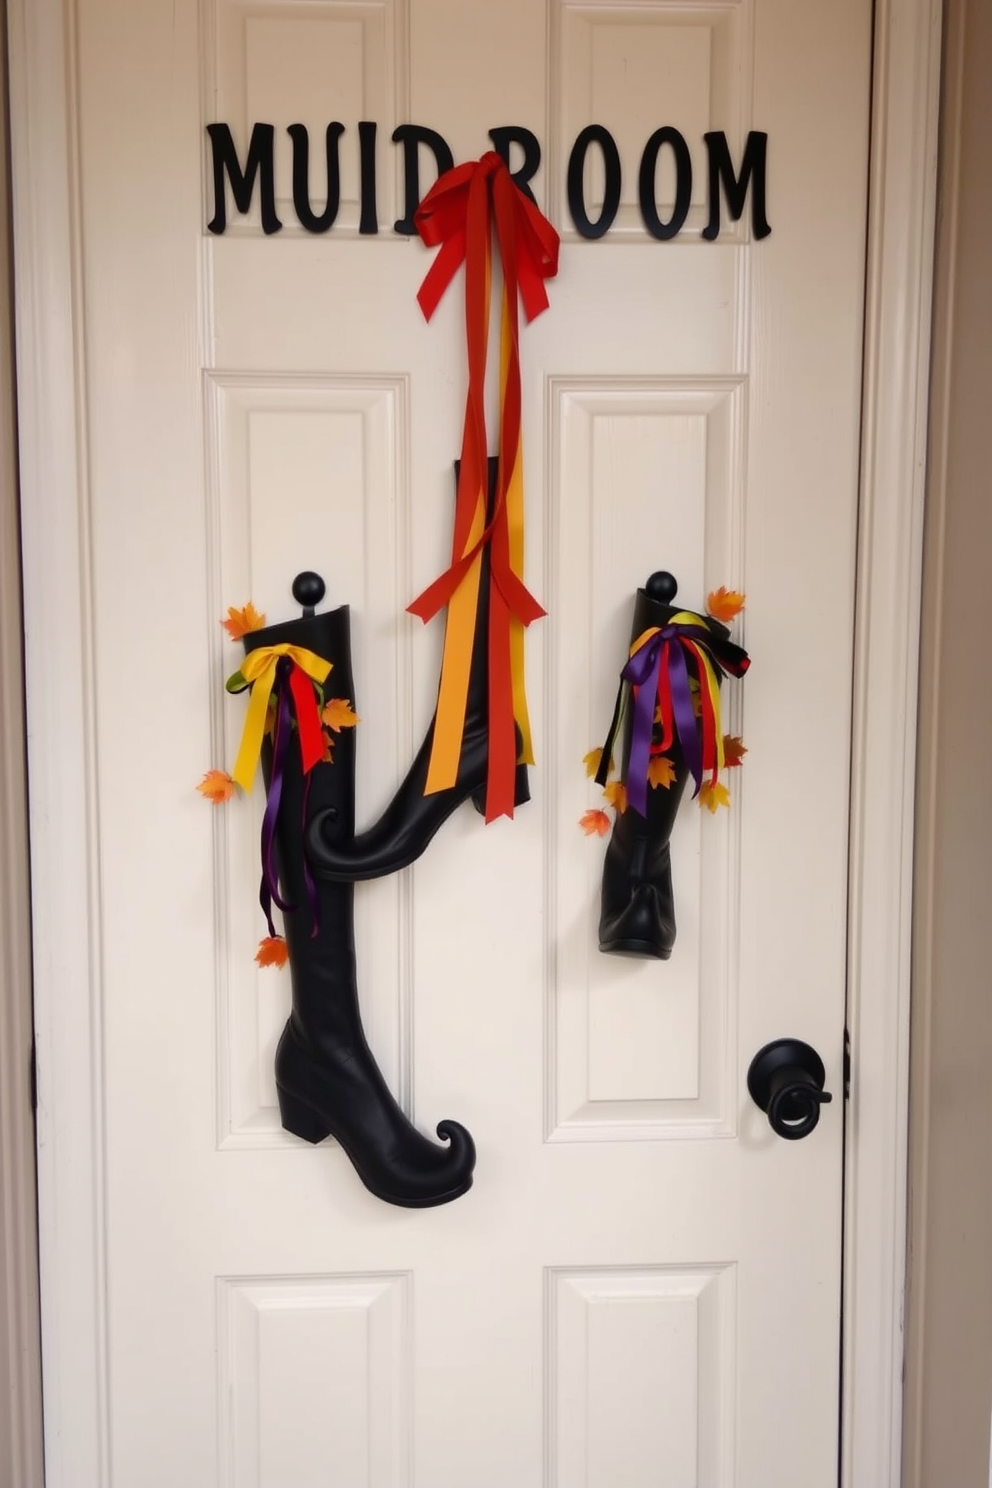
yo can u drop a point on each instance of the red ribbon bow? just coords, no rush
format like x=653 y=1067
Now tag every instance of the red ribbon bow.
x=459 y=214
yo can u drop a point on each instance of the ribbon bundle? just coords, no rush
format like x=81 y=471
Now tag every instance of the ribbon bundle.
x=287 y=674
x=459 y=214
x=658 y=671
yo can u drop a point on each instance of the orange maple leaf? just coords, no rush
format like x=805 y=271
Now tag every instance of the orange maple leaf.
x=272 y=951
x=712 y=796
x=595 y=823
x=661 y=771
x=338 y=714
x=217 y=786
x=723 y=603
x=327 y=757
x=240 y=622
x=734 y=750
x=616 y=794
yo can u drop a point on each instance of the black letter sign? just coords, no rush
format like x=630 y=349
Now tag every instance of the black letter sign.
x=722 y=169
x=410 y=136
x=611 y=190
x=301 y=177
x=260 y=158
x=683 y=183
x=368 y=221
x=514 y=134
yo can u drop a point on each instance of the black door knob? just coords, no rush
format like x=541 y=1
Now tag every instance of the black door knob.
x=786 y=1080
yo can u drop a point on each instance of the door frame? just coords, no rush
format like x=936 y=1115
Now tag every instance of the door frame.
x=58 y=611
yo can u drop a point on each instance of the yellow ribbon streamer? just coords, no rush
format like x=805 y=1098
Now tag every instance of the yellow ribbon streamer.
x=259 y=670
x=515 y=522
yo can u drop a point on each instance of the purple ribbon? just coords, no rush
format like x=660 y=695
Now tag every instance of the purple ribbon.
x=643 y=672
x=268 y=893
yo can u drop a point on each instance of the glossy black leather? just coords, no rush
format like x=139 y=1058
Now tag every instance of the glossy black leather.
x=411 y=819
x=328 y=1081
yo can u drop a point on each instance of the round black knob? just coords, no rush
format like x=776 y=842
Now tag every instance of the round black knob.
x=786 y=1080
x=662 y=586
x=308 y=590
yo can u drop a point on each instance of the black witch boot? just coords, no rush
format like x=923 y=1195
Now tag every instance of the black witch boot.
x=411 y=819
x=328 y=1081
x=637 y=915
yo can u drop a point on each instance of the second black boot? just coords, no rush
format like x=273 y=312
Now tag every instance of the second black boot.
x=637 y=913
x=327 y=1079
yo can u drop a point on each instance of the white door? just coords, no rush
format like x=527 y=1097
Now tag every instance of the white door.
x=642 y=1288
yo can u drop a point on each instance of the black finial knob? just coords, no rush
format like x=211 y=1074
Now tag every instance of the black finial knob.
x=661 y=586
x=308 y=590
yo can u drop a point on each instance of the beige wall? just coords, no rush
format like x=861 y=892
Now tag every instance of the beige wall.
x=20 y=1360
x=949 y=1363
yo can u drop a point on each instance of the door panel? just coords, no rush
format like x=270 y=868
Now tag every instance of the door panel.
x=642 y=1288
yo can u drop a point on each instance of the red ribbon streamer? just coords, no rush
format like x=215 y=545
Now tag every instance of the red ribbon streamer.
x=458 y=216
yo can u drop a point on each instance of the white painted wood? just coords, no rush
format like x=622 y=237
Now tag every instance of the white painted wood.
x=336 y=1228
x=897 y=368
x=58 y=661
x=640 y=1366
x=313 y=1380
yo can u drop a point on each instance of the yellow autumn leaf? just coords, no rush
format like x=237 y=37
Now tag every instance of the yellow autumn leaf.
x=217 y=786
x=616 y=793
x=338 y=714
x=724 y=604
x=713 y=796
x=240 y=622
x=272 y=951
x=591 y=761
x=661 y=771
x=595 y=823
x=734 y=750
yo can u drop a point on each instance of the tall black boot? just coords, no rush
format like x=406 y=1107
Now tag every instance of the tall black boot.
x=411 y=819
x=637 y=915
x=328 y=1081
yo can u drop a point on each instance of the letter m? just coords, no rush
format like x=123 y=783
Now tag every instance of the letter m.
x=722 y=173
x=261 y=158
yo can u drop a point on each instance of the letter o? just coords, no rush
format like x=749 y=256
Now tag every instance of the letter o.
x=594 y=133
x=683 y=183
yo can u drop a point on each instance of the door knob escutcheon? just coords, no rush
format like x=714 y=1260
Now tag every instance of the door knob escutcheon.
x=785 y=1080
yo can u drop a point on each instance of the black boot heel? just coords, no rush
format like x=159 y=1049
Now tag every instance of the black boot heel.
x=301 y=1120
x=521 y=792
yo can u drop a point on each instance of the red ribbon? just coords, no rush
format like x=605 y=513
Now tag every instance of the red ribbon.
x=458 y=216
x=307 y=719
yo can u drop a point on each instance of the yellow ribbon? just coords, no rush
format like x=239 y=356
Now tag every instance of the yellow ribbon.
x=259 y=670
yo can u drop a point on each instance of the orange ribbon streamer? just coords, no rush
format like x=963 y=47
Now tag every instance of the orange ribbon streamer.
x=459 y=215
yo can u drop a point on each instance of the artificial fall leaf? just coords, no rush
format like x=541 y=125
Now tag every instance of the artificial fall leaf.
x=240 y=622
x=327 y=758
x=595 y=823
x=661 y=771
x=217 y=786
x=723 y=604
x=272 y=951
x=338 y=714
x=592 y=760
x=734 y=750
x=616 y=794
x=270 y=719
x=711 y=796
